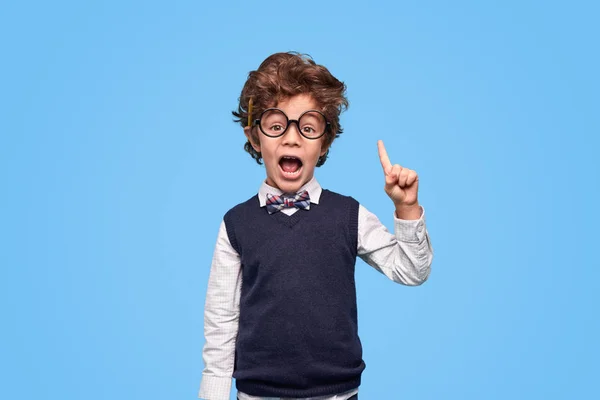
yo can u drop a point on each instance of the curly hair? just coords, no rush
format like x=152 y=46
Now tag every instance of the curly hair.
x=284 y=75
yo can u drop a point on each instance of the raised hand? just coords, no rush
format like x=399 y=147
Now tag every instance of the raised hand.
x=401 y=184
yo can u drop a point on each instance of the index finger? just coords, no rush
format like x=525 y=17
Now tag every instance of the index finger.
x=383 y=156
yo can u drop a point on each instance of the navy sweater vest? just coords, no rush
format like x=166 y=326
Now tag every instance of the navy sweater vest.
x=298 y=334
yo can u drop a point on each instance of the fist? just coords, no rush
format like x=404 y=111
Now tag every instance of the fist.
x=401 y=184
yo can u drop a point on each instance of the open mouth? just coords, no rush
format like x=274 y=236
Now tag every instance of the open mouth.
x=290 y=166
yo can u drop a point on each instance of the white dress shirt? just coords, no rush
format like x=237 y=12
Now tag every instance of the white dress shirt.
x=404 y=258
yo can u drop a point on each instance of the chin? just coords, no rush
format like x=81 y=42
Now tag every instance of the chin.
x=285 y=185
x=291 y=187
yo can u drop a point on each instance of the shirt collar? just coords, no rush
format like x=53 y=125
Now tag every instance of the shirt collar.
x=313 y=187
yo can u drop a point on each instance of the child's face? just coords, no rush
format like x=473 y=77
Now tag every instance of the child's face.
x=289 y=159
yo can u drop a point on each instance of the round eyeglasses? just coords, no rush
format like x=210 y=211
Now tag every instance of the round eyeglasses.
x=273 y=122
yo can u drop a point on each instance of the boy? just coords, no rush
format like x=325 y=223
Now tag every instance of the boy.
x=280 y=312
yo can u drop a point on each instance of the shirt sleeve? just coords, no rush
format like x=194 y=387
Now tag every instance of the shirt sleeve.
x=404 y=257
x=221 y=320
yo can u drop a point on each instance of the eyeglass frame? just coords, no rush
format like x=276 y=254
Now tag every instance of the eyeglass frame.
x=290 y=121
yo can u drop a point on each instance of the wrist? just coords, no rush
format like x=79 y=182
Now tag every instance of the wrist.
x=408 y=211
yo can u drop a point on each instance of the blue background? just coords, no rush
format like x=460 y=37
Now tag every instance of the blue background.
x=119 y=157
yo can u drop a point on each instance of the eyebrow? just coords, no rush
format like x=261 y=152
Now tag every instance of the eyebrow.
x=302 y=113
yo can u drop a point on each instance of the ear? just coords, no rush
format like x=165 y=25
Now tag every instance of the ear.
x=253 y=140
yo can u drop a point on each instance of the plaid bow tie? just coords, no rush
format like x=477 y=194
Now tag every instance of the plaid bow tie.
x=277 y=203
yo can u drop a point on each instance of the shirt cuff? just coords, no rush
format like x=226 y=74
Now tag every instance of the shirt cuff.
x=410 y=230
x=215 y=387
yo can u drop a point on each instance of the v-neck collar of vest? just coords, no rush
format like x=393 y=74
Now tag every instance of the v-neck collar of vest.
x=290 y=220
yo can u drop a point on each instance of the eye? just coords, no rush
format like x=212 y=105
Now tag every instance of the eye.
x=276 y=128
x=308 y=129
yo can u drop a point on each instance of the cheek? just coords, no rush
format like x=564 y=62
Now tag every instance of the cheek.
x=314 y=155
x=268 y=154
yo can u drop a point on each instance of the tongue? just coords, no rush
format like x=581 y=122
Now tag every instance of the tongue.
x=289 y=165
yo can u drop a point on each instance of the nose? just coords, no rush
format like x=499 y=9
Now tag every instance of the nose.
x=292 y=136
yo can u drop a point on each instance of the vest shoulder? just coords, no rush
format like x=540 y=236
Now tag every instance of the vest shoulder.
x=251 y=203
x=329 y=194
